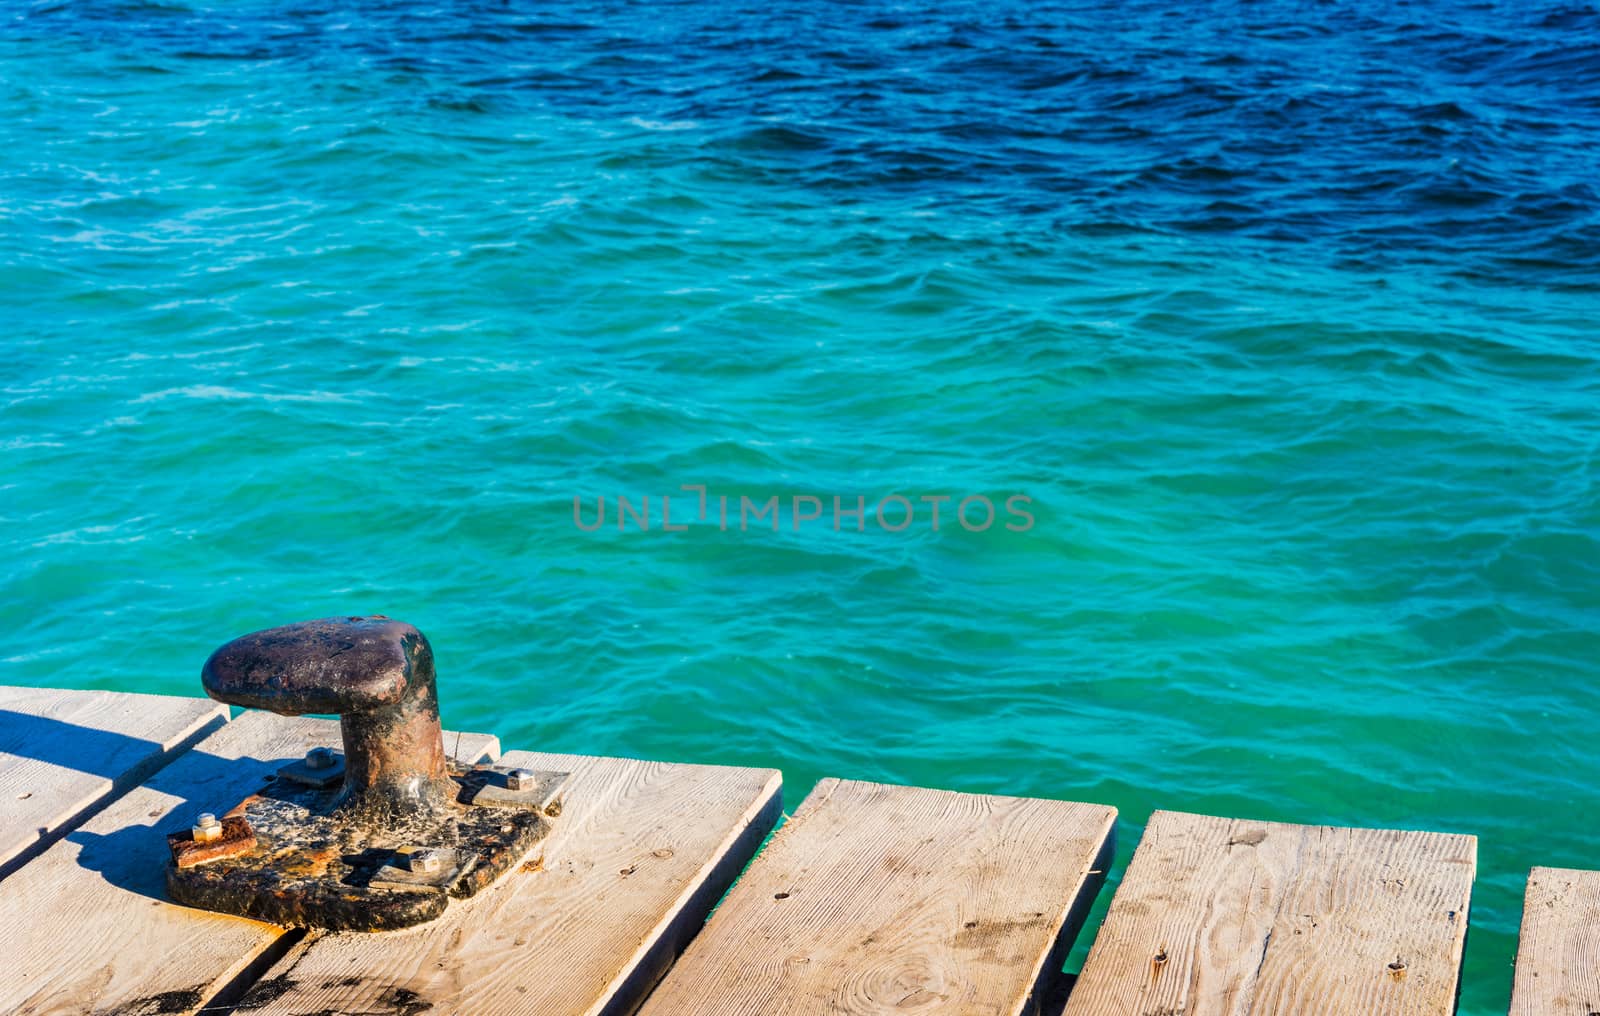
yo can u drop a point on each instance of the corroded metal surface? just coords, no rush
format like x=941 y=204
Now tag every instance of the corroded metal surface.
x=235 y=839
x=310 y=867
x=379 y=837
x=377 y=674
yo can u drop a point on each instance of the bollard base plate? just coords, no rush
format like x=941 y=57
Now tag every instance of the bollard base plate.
x=311 y=866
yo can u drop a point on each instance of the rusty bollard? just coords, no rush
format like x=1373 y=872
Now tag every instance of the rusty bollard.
x=380 y=836
x=377 y=674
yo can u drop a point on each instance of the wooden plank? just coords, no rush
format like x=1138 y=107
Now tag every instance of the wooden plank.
x=1558 y=953
x=639 y=855
x=88 y=927
x=64 y=754
x=882 y=899
x=1223 y=916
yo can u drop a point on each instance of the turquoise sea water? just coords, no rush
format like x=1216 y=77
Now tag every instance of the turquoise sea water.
x=1281 y=314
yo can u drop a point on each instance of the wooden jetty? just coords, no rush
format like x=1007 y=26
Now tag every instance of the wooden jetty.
x=872 y=899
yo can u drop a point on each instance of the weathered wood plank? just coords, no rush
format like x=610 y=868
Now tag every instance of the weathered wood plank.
x=639 y=855
x=1558 y=952
x=883 y=899
x=1223 y=916
x=63 y=754
x=87 y=925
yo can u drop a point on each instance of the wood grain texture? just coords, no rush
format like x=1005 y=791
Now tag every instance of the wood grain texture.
x=64 y=754
x=883 y=899
x=1222 y=916
x=639 y=854
x=87 y=925
x=1558 y=953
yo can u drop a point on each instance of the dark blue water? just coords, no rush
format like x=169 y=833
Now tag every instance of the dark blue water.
x=1455 y=137
x=1281 y=314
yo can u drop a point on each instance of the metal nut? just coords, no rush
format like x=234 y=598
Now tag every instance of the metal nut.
x=320 y=758
x=520 y=779
x=206 y=828
x=424 y=859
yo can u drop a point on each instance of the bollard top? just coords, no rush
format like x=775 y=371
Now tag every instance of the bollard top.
x=330 y=665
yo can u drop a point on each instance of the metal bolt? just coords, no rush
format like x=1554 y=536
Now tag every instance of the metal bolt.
x=320 y=758
x=206 y=828
x=520 y=779
x=424 y=859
